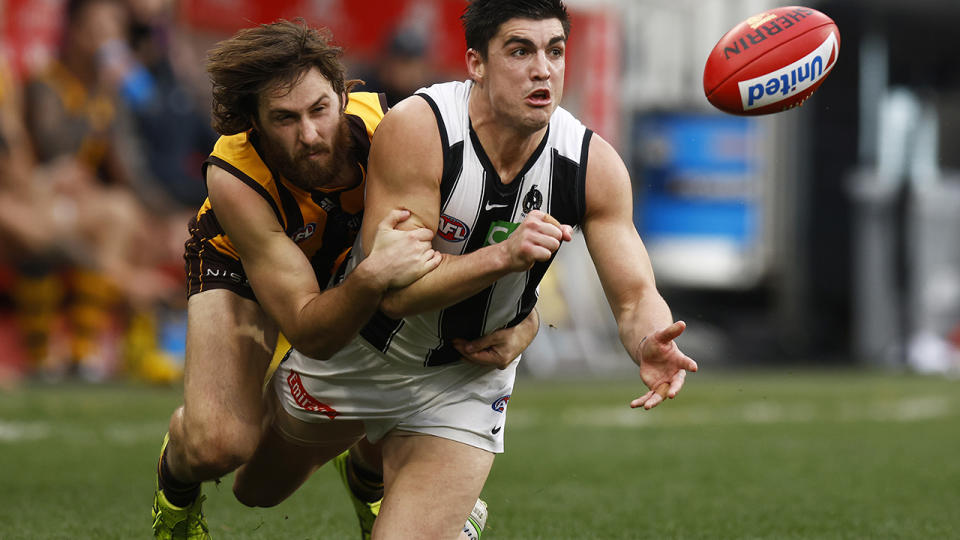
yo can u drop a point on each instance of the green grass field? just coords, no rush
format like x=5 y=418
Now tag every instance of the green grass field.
x=818 y=455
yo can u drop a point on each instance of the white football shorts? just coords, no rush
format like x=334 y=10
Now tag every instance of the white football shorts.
x=459 y=401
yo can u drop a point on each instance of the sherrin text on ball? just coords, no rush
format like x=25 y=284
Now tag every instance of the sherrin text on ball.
x=772 y=61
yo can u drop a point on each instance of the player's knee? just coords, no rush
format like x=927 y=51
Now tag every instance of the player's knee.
x=253 y=499
x=246 y=497
x=220 y=446
x=253 y=496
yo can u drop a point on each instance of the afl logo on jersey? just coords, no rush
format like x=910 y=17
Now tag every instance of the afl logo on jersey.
x=304 y=232
x=533 y=200
x=452 y=229
x=500 y=404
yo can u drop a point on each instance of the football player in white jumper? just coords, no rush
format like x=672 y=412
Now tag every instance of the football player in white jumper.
x=502 y=174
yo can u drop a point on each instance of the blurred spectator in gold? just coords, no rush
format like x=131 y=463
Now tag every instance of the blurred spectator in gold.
x=16 y=234
x=88 y=182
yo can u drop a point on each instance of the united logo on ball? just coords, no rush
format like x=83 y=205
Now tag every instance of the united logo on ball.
x=772 y=61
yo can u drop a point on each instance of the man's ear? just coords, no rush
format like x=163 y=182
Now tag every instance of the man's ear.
x=255 y=123
x=344 y=99
x=475 y=65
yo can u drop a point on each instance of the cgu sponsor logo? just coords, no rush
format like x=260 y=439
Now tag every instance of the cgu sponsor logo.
x=304 y=232
x=499 y=231
x=452 y=229
x=790 y=80
x=305 y=400
x=500 y=404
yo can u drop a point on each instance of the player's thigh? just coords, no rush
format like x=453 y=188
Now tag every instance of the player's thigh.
x=289 y=451
x=230 y=341
x=430 y=484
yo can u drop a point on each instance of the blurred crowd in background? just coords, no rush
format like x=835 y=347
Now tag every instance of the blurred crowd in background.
x=100 y=153
x=101 y=144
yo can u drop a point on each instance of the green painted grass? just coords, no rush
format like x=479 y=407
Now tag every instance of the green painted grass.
x=791 y=455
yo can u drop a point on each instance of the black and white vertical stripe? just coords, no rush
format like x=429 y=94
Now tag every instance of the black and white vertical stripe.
x=475 y=197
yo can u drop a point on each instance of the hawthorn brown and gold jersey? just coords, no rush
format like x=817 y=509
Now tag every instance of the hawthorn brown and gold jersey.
x=323 y=223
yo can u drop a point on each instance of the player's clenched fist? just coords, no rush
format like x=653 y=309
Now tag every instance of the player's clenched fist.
x=535 y=240
x=401 y=257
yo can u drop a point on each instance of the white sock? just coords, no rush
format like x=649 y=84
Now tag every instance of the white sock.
x=476 y=521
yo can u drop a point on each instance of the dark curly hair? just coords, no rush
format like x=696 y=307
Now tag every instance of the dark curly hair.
x=265 y=57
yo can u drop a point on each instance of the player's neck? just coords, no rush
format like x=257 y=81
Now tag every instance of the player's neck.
x=348 y=176
x=508 y=146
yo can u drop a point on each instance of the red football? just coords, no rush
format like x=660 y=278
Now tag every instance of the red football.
x=772 y=61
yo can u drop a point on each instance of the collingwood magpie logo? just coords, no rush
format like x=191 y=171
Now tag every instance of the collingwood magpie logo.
x=533 y=200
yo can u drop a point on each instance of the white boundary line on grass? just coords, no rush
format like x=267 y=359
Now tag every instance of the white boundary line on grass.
x=121 y=433
x=758 y=412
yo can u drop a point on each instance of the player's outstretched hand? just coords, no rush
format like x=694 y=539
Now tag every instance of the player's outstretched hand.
x=535 y=240
x=402 y=257
x=663 y=367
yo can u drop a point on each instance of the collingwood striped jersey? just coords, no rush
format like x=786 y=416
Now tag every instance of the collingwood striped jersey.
x=478 y=209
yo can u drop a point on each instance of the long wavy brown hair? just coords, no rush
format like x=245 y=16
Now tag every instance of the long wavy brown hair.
x=266 y=57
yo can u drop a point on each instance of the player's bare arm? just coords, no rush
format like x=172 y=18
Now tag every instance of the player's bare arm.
x=316 y=322
x=406 y=165
x=645 y=323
